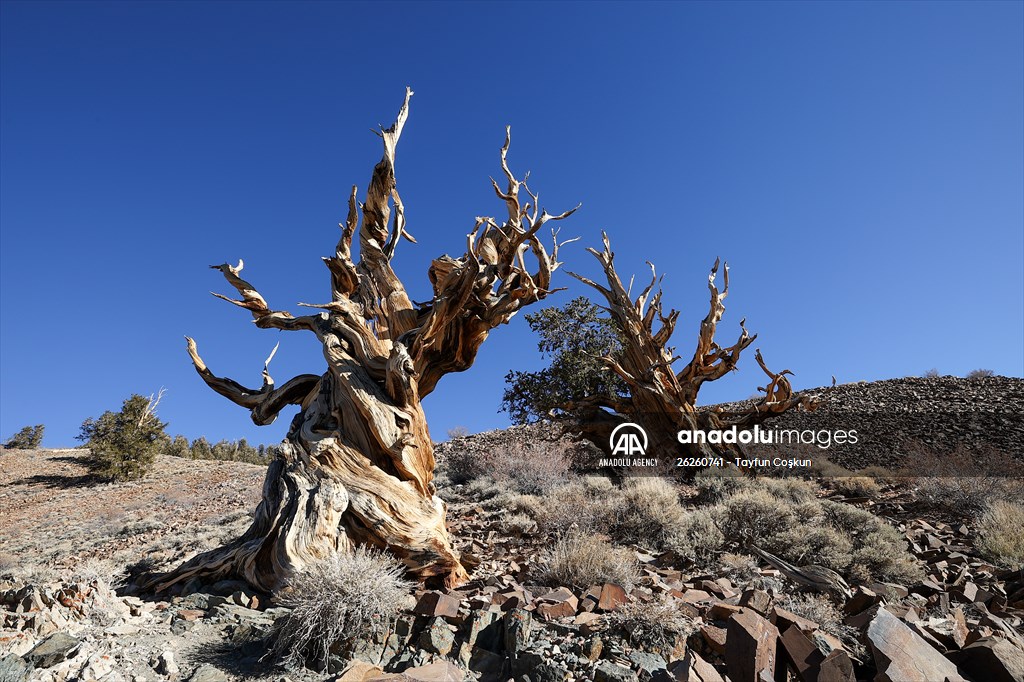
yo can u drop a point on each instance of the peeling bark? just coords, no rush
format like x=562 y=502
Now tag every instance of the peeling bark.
x=661 y=400
x=356 y=466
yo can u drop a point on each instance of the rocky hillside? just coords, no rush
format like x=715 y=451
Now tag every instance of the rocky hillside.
x=898 y=419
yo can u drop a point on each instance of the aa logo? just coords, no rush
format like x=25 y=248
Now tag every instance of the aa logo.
x=628 y=439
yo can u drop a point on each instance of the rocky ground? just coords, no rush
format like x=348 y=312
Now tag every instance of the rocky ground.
x=64 y=540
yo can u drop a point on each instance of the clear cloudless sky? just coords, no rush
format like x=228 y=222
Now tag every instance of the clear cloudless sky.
x=859 y=165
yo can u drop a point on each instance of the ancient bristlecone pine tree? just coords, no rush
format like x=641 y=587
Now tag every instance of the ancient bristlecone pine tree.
x=664 y=401
x=357 y=464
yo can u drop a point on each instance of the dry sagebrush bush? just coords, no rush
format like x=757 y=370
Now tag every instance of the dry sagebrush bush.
x=649 y=512
x=529 y=467
x=584 y=560
x=696 y=537
x=714 y=485
x=335 y=602
x=878 y=549
x=855 y=486
x=753 y=517
x=1000 y=535
x=653 y=625
x=962 y=483
x=578 y=507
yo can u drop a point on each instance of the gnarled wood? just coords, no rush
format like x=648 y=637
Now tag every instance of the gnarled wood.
x=357 y=464
x=661 y=400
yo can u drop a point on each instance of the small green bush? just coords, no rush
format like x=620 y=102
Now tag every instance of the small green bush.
x=29 y=438
x=855 y=486
x=178 y=447
x=1000 y=535
x=583 y=560
x=123 y=445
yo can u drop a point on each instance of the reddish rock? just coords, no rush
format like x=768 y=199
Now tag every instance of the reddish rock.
x=693 y=668
x=555 y=611
x=992 y=660
x=437 y=604
x=782 y=619
x=722 y=611
x=750 y=647
x=696 y=596
x=715 y=638
x=757 y=600
x=612 y=596
x=191 y=614
x=862 y=599
x=837 y=667
x=801 y=654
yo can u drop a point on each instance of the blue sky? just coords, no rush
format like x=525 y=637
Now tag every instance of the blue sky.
x=860 y=166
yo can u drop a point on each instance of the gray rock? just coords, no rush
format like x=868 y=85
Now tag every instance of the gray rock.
x=199 y=601
x=52 y=650
x=518 y=624
x=606 y=671
x=14 y=668
x=207 y=673
x=647 y=663
x=437 y=637
x=900 y=654
x=538 y=668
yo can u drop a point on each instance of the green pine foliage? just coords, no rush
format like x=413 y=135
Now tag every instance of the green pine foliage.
x=123 y=445
x=29 y=438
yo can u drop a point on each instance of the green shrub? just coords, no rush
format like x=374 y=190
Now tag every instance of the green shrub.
x=576 y=506
x=583 y=560
x=123 y=445
x=1000 y=535
x=29 y=438
x=878 y=550
x=201 y=449
x=817 y=544
x=178 y=447
x=335 y=602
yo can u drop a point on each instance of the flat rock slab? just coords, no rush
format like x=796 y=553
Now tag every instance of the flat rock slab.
x=750 y=647
x=903 y=656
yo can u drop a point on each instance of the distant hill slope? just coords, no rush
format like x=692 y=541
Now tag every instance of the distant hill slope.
x=897 y=419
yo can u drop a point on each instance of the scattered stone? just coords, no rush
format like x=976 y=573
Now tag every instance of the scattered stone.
x=518 y=624
x=358 y=671
x=437 y=604
x=750 y=647
x=538 y=668
x=606 y=671
x=612 y=596
x=165 y=665
x=437 y=637
x=801 y=654
x=714 y=637
x=693 y=668
x=902 y=655
x=52 y=650
x=13 y=668
x=757 y=600
x=647 y=663
x=992 y=660
x=441 y=671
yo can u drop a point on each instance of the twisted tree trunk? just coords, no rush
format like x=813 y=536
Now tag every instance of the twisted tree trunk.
x=661 y=400
x=357 y=464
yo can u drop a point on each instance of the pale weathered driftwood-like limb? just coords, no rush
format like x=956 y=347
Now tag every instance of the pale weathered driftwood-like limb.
x=663 y=401
x=356 y=467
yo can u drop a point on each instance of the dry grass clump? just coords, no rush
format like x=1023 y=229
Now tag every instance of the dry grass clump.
x=335 y=602
x=819 y=544
x=522 y=466
x=649 y=512
x=653 y=625
x=583 y=560
x=714 y=485
x=518 y=524
x=575 y=506
x=1000 y=535
x=855 y=486
x=962 y=483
